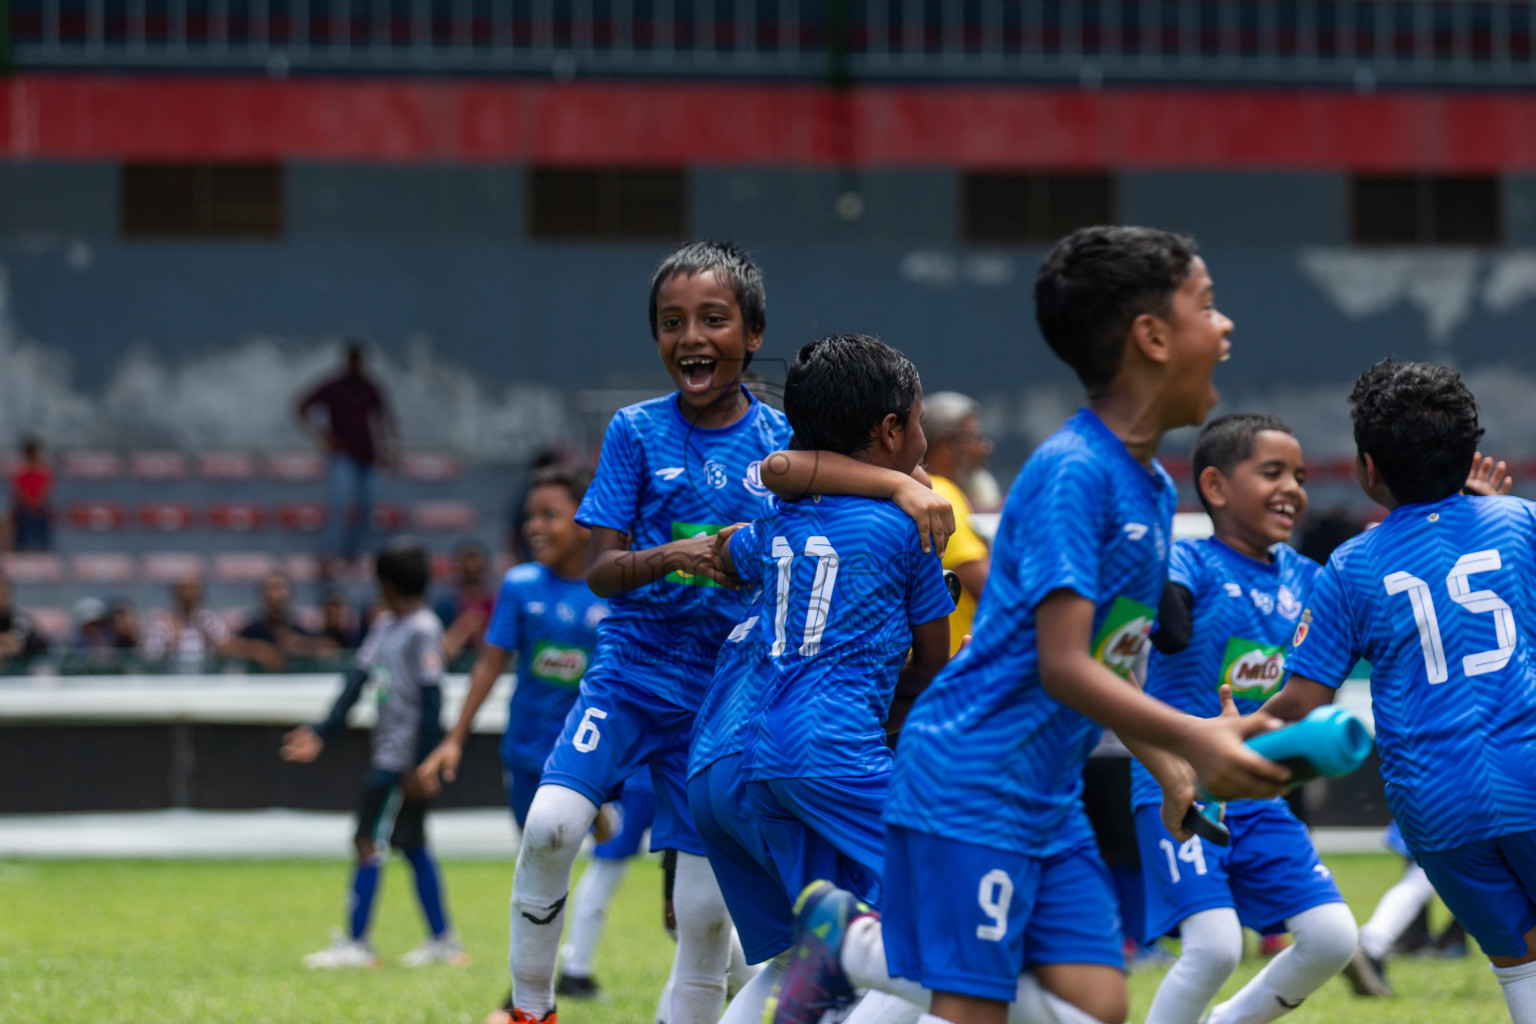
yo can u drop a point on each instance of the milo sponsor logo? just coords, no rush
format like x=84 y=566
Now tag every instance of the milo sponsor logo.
x=555 y=664
x=1254 y=670
x=1123 y=635
x=682 y=531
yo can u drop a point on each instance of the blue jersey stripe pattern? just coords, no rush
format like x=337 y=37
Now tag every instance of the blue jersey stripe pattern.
x=551 y=624
x=660 y=478
x=1441 y=600
x=844 y=580
x=1244 y=614
x=987 y=757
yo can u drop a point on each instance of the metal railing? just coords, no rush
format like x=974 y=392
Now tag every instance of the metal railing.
x=1358 y=43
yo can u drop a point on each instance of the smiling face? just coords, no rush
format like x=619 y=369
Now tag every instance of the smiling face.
x=1197 y=340
x=550 y=529
x=1256 y=506
x=702 y=337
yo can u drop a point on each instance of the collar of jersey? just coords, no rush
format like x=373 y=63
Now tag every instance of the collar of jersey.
x=1227 y=550
x=1155 y=472
x=746 y=417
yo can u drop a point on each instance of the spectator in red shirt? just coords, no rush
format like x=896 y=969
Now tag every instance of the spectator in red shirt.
x=358 y=434
x=31 y=499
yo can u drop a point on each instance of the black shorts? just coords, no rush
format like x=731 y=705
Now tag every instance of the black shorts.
x=384 y=808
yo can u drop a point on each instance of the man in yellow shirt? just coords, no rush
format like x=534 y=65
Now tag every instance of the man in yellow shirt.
x=956 y=448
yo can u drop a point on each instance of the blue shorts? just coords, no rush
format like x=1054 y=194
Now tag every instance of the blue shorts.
x=968 y=920
x=615 y=727
x=825 y=828
x=520 y=784
x=1270 y=872
x=1491 y=888
x=637 y=810
x=760 y=905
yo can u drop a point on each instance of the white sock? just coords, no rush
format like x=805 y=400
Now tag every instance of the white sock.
x=929 y=1018
x=1212 y=947
x=883 y=1008
x=703 y=943
x=557 y=822
x=1519 y=984
x=1398 y=907
x=747 y=1007
x=863 y=960
x=1034 y=1005
x=1325 y=940
x=664 y=1002
x=589 y=912
x=738 y=972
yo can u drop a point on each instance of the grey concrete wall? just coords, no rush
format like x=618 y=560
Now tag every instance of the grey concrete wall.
x=44 y=200
x=787 y=206
x=409 y=203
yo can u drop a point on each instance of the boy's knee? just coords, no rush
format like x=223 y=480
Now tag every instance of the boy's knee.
x=556 y=822
x=1327 y=934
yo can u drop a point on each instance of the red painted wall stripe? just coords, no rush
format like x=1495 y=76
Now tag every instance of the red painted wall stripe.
x=93 y=117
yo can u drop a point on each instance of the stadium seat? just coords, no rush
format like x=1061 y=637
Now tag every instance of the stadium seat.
x=295 y=466
x=33 y=567
x=226 y=466
x=101 y=567
x=170 y=566
x=235 y=516
x=242 y=567
x=92 y=465
x=388 y=517
x=302 y=516
x=431 y=467
x=301 y=568
x=158 y=465
x=459 y=516
x=167 y=516
x=97 y=516
x=53 y=623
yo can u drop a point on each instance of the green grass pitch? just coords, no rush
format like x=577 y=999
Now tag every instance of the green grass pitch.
x=220 y=941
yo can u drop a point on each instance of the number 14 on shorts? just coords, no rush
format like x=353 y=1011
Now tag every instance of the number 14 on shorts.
x=1189 y=852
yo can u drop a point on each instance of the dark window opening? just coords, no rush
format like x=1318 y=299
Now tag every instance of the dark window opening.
x=1426 y=210
x=202 y=201
x=586 y=204
x=999 y=209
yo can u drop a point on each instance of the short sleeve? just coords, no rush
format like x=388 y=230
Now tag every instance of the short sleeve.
x=965 y=544
x=746 y=546
x=368 y=650
x=927 y=596
x=429 y=655
x=1064 y=543
x=1185 y=567
x=613 y=499
x=1323 y=647
x=506 y=628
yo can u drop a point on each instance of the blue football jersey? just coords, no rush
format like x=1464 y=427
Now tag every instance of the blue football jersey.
x=1242 y=619
x=987 y=757
x=1441 y=600
x=739 y=679
x=660 y=479
x=551 y=624
x=844 y=580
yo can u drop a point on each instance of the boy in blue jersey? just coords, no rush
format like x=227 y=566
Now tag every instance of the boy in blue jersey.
x=1226 y=616
x=672 y=472
x=547 y=616
x=790 y=764
x=1439 y=600
x=991 y=869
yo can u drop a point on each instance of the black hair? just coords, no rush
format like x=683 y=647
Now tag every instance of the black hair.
x=470 y=544
x=1326 y=530
x=31 y=445
x=403 y=564
x=1418 y=423
x=732 y=267
x=1093 y=286
x=573 y=478
x=1227 y=441
x=841 y=386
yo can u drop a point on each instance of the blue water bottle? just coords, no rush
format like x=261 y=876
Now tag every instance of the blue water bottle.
x=1328 y=741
